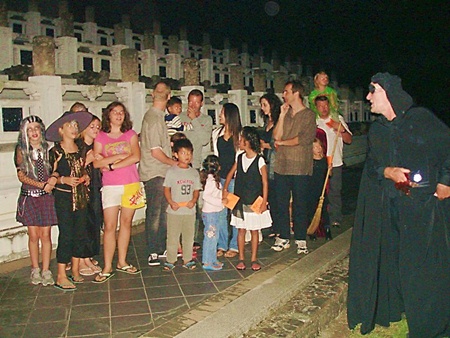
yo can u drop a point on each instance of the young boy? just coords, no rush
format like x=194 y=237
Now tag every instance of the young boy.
x=181 y=189
x=172 y=118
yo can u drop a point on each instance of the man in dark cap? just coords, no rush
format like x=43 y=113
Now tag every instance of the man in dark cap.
x=400 y=251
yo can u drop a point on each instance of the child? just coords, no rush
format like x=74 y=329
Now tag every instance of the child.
x=251 y=182
x=320 y=167
x=172 y=118
x=116 y=153
x=212 y=206
x=89 y=266
x=71 y=196
x=36 y=204
x=181 y=189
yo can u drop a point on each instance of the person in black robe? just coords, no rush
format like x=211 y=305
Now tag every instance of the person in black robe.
x=400 y=251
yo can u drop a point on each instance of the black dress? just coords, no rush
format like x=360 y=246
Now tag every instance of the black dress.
x=94 y=207
x=400 y=251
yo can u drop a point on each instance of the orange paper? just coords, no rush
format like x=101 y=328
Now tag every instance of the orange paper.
x=232 y=200
x=182 y=204
x=256 y=206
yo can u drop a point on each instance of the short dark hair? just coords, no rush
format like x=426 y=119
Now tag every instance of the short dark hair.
x=195 y=92
x=182 y=143
x=321 y=98
x=173 y=100
x=297 y=86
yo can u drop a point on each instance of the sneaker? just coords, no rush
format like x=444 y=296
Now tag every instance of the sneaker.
x=153 y=260
x=280 y=244
x=163 y=255
x=301 y=247
x=47 y=278
x=35 y=276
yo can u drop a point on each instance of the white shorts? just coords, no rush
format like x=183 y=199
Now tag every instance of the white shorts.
x=128 y=196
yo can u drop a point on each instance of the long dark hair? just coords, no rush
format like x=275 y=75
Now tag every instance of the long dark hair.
x=106 y=121
x=210 y=165
x=275 y=108
x=233 y=120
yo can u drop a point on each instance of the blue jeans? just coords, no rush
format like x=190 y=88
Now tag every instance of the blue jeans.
x=297 y=185
x=223 y=226
x=211 y=223
x=155 y=215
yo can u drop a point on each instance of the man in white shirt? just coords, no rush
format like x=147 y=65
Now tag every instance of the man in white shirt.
x=330 y=126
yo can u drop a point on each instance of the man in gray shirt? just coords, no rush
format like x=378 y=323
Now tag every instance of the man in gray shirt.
x=156 y=158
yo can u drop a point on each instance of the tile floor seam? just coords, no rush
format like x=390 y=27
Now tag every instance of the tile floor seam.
x=152 y=319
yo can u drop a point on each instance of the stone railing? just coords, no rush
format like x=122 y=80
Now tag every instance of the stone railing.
x=49 y=96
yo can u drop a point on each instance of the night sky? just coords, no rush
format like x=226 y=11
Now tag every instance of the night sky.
x=354 y=39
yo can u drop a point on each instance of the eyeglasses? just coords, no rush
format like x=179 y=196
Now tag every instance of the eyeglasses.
x=372 y=88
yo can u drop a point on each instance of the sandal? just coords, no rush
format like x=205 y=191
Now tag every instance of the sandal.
x=190 y=265
x=241 y=266
x=76 y=279
x=212 y=267
x=87 y=272
x=65 y=286
x=168 y=266
x=94 y=261
x=256 y=266
x=220 y=252
x=230 y=254
x=129 y=269
x=103 y=277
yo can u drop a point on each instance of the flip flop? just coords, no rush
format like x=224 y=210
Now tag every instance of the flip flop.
x=212 y=267
x=76 y=280
x=241 y=266
x=87 y=272
x=128 y=269
x=101 y=275
x=190 y=265
x=256 y=266
x=230 y=254
x=64 y=287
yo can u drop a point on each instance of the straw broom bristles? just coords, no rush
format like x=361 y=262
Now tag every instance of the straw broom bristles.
x=318 y=214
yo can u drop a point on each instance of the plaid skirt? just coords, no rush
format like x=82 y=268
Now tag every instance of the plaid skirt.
x=38 y=211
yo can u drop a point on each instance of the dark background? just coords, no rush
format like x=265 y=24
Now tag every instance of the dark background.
x=353 y=39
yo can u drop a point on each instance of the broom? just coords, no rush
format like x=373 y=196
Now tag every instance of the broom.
x=318 y=214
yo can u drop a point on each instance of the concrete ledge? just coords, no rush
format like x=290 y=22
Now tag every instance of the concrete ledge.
x=240 y=315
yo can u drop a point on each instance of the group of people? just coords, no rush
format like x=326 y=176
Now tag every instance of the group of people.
x=73 y=185
x=90 y=180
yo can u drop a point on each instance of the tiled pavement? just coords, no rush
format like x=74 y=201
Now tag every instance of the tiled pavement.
x=126 y=305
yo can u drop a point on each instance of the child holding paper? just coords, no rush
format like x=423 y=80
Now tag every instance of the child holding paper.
x=251 y=185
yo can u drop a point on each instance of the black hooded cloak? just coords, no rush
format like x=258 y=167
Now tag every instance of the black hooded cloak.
x=400 y=251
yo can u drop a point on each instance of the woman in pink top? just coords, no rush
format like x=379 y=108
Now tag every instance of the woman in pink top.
x=117 y=151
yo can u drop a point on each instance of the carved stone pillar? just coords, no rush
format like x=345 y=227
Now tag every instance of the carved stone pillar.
x=279 y=80
x=43 y=56
x=119 y=34
x=236 y=77
x=191 y=72
x=259 y=80
x=129 y=63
